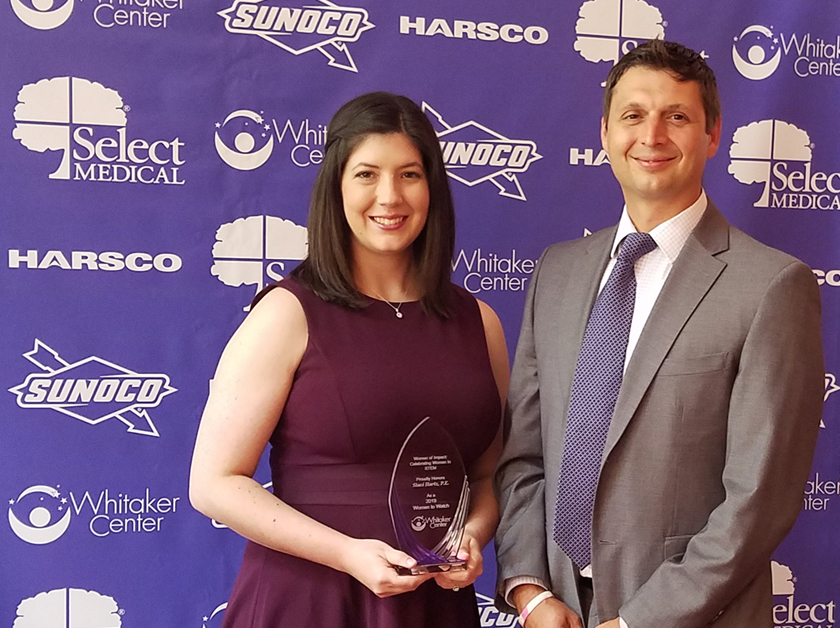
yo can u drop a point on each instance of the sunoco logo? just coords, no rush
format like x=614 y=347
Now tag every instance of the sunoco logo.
x=86 y=122
x=323 y=26
x=608 y=29
x=474 y=154
x=257 y=249
x=778 y=155
x=245 y=140
x=42 y=514
x=43 y=14
x=489 y=616
x=92 y=390
x=790 y=615
x=757 y=53
x=60 y=608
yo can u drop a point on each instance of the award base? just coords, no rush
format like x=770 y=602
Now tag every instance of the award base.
x=417 y=570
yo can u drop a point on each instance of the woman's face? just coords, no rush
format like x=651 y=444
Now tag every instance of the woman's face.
x=385 y=194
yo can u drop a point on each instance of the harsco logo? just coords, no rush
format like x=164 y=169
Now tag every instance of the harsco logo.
x=464 y=29
x=778 y=154
x=43 y=14
x=608 y=29
x=325 y=27
x=52 y=111
x=88 y=260
x=92 y=390
x=489 y=616
x=474 y=154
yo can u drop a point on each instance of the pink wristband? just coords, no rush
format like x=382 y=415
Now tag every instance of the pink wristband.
x=530 y=606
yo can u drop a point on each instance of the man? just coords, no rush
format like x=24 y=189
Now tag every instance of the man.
x=657 y=455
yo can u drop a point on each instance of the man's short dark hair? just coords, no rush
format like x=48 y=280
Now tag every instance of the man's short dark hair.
x=684 y=65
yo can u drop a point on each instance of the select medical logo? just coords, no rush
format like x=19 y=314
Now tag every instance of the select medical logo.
x=322 y=25
x=608 y=29
x=245 y=139
x=474 y=154
x=778 y=155
x=757 y=52
x=92 y=390
x=255 y=250
x=792 y=615
x=86 y=122
x=60 y=608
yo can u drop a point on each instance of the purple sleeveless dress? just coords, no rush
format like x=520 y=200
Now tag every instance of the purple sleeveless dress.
x=365 y=380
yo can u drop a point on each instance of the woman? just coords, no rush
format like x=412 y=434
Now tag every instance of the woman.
x=334 y=369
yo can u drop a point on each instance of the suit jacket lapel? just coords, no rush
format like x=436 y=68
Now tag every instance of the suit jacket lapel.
x=693 y=274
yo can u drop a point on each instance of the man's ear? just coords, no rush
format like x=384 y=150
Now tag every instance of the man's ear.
x=714 y=139
x=603 y=133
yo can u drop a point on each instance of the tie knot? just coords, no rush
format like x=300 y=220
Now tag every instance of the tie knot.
x=634 y=245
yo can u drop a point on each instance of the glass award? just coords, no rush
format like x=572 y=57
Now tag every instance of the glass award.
x=429 y=497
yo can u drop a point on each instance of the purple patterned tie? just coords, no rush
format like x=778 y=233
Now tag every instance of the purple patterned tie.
x=598 y=375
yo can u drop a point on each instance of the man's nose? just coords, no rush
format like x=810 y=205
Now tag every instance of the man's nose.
x=653 y=131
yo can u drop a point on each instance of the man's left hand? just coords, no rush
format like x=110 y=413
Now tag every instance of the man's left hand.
x=613 y=623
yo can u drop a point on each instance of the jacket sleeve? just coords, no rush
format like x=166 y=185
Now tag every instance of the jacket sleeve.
x=519 y=480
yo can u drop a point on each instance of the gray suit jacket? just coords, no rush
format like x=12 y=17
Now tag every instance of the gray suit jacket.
x=710 y=443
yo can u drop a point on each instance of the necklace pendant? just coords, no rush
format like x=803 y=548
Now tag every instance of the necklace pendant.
x=399 y=314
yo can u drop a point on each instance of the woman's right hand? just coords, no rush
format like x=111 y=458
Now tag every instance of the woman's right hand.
x=372 y=562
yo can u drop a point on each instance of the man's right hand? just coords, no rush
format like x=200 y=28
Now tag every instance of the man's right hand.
x=551 y=613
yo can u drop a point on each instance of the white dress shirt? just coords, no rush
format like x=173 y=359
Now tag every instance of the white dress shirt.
x=651 y=270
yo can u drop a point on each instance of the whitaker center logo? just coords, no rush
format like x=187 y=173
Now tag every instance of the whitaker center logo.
x=92 y=390
x=86 y=123
x=322 y=25
x=50 y=14
x=41 y=514
x=758 y=52
x=778 y=155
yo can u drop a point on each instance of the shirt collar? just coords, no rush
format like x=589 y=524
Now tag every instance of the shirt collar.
x=670 y=236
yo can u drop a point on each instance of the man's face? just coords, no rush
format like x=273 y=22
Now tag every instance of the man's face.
x=656 y=139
